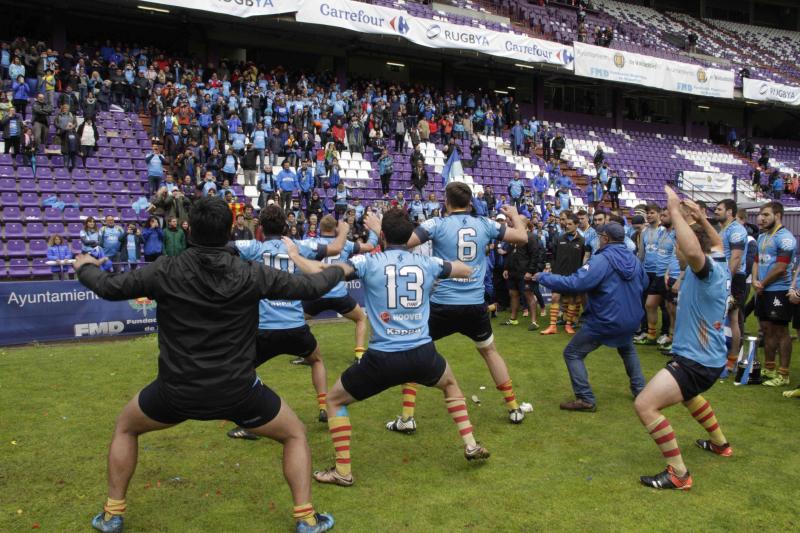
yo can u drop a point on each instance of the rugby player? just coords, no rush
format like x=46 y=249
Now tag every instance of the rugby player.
x=734 y=242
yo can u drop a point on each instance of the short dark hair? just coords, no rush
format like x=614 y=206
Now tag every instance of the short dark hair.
x=653 y=207
x=273 y=220
x=396 y=226
x=582 y=213
x=458 y=194
x=210 y=221
x=702 y=237
x=569 y=215
x=775 y=206
x=729 y=205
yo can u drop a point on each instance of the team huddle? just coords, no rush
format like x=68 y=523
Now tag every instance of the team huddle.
x=207 y=367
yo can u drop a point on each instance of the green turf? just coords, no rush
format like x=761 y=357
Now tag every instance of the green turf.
x=558 y=471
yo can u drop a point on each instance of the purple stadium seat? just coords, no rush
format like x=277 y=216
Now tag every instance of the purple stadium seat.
x=6 y=160
x=24 y=172
x=56 y=228
x=63 y=185
x=92 y=163
x=87 y=200
x=19 y=268
x=14 y=230
x=117 y=187
x=135 y=188
x=8 y=184
x=11 y=214
x=9 y=199
x=111 y=211
x=95 y=174
x=68 y=197
x=74 y=229
x=35 y=230
x=101 y=186
x=57 y=161
x=123 y=164
x=82 y=187
x=105 y=200
x=107 y=164
x=16 y=248
x=37 y=248
x=27 y=185
x=114 y=175
x=44 y=173
x=3 y=268
x=41 y=268
x=32 y=213
x=128 y=214
x=72 y=214
x=77 y=174
x=47 y=187
x=89 y=212
x=122 y=201
x=29 y=198
x=75 y=246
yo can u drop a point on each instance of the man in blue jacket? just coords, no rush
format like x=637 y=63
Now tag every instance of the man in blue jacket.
x=286 y=180
x=614 y=281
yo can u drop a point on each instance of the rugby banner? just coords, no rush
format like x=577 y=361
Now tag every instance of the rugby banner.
x=637 y=69
x=710 y=182
x=236 y=8
x=769 y=91
x=368 y=18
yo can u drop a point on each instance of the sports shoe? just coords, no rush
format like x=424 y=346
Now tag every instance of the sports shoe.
x=112 y=525
x=668 y=480
x=241 y=433
x=476 y=452
x=640 y=336
x=533 y=326
x=767 y=374
x=324 y=523
x=569 y=329
x=725 y=450
x=792 y=393
x=400 y=425
x=524 y=312
x=516 y=416
x=578 y=404
x=663 y=339
x=510 y=322
x=560 y=322
x=551 y=330
x=666 y=349
x=778 y=381
x=646 y=341
x=323 y=416
x=333 y=477
x=300 y=361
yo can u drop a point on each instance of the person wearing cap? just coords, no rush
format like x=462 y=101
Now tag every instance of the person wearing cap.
x=614 y=281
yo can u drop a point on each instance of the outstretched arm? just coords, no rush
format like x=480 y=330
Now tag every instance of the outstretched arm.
x=689 y=245
x=115 y=287
x=585 y=279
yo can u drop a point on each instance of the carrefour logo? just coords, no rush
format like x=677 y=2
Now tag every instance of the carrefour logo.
x=400 y=25
x=433 y=31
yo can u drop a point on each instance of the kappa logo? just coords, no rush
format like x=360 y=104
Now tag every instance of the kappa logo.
x=433 y=31
x=400 y=25
x=776 y=302
x=702 y=75
x=619 y=60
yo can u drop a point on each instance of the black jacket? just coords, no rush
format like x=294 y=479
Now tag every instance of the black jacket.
x=568 y=254
x=207 y=319
x=526 y=258
x=6 y=126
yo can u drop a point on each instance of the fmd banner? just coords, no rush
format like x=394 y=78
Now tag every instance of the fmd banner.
x=43 y=311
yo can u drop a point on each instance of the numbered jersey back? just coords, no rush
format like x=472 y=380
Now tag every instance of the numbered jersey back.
x=398 y=285
x=277 y=314
x=465 y=238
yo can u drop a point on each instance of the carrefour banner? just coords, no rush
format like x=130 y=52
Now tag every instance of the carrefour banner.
x=42 y=311
x=368 y=18
x=236 y=8
x=769 y=91
x=627 y=67
x=710 y=182
x=60 y=310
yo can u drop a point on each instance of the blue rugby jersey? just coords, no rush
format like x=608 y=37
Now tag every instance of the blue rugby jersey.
x=350 y=249
x=776 y=247
x=734 y=237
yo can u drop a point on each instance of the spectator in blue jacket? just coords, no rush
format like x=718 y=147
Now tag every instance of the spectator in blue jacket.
x=130 y=251
x=20 y=94
x=516 y=190
x=517 y=138
x=58 y=257
x=286 y=180
x=540 y=185
x=432 y=207
x=153 y=238
x=155 y=170
x=614 y=281
x=111 y=239
x=480 y=205
x=305 y=181
x=90 y=236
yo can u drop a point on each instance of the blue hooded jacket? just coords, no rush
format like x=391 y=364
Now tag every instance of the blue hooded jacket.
x=614 y=280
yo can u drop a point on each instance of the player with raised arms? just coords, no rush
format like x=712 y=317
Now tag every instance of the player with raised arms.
x=457 y=305
x=398 y=284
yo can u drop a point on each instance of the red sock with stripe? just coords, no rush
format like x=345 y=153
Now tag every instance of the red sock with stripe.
x=702 y=412
x=661 y=431
x=322 y=400
x=508 y=395
x=457 y=407
x=341 y=431
x=409 y=400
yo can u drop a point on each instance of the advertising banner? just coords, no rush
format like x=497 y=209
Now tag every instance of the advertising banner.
x=769 y=91
x=236 y=8
x=711 y=182
x=43 y=311
x=354 y=16
x=697 y=80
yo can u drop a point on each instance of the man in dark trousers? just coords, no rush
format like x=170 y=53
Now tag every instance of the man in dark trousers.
x=207 y=317
x=614 y=281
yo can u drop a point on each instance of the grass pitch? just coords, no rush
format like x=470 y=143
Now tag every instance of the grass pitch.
x=558 y=471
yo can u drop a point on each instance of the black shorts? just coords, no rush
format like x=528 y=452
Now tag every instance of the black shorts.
x=656 y=285
x=295 y=341
x=670 y=296
x=692 y=377
x=257 y=408
x=341 y=305
x=378 y=371
x=517 y=282
x=739 y=290
x=472 y=321
x=775 y=307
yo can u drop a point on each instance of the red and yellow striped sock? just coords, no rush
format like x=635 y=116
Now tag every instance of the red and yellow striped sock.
x=572 y=310
x=769 y=365
x=702 y=412
x=508 y=395
x=359 y=352
x=305 y=513
x=341 y=431
x=651 y=330
x=783 y=372
x=457 y=407
x=661 y=431
x=409 y=400
x=113 y=508
x=553 y=314
x=322 y=400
